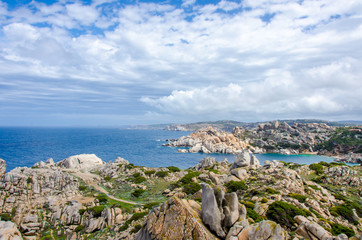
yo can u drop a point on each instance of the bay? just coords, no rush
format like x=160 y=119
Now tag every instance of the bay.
x=25 y=146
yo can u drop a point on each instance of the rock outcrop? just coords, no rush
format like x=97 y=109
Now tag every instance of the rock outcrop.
x=9 y=231
x=80 y=161
x=175 y=219
x=245 y=159
x=2 y=167
x=209 y=140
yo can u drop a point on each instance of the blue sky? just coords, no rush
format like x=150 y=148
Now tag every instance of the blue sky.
x=111 y=63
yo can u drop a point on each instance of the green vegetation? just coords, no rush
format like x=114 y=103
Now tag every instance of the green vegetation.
x=82 y=188
x=79 y=228
x=339 y=229
x=150 y=205
x=136 y=228
x=234 y=186
x=137 y=193
x=284 y=213
x=344 y=210
x=317 y=167
x=188 y=177
x=135 y=217
x=264 y=200
x=250 y=213
x=107 y=178
x=299 y=197
x=137 y=178
x=191 y=188
x=150 y=172
x=102 y=198
x=271 y=191
x=29 y=180
x=345 y=139
x=97 y=210
x=5 y=216
x=161 y=174
x=173 y=169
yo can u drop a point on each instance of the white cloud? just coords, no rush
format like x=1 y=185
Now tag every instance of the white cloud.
x=305 y=59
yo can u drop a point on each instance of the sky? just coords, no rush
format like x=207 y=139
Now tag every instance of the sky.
x=112 y=63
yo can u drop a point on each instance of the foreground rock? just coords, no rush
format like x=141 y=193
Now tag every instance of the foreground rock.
x=80 y=161
x=176 y=219
x=2 y=167
x=9 y=231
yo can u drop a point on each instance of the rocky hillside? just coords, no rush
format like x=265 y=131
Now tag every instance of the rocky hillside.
x=212 y=200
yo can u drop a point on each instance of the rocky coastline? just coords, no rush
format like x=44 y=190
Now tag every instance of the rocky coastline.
x=83 y=197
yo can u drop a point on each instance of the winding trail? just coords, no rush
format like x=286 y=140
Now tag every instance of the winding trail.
x=93 y=180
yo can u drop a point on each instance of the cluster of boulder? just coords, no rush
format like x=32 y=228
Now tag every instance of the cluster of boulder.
x=277 y=137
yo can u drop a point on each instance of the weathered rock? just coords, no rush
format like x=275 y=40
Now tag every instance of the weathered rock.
x=120 y=160
x=210 y=212
x=230 y=209
x=267 y=230
x=311 y=230
x=9 y=231
x=2 y=167
x=205 y=163
x=245 y=159
x=80 y=161
x=240 y=173
x=176 y=219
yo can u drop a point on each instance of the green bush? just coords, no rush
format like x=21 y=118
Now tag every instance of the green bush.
x=250 y=213
x=344 y=210
x=234 y=186
x=136 y=228
x=29 y=180
x=317 y=167
x=79 y=228
x=137 y=193
x=339 y=229
x=151 y=205
x=134 y=217
x=173 y=169
x=5 y=216
x=249 y=204
x=150 y=172
x=139 y=180
x=102 y=198
x=82 y=188
x=264 y=200
x=284 y=213
x=82 y=211
x=97 y=210
x=271 y=191
x=191 y=188
x=107 y=178
x=299 y=197
x=161 y=174
x=188 y=177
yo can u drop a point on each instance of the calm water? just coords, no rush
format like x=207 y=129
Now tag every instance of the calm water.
x=26 y=146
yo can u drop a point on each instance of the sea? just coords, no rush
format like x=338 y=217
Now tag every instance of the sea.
x=23 y=147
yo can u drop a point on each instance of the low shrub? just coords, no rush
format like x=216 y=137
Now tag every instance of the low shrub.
x=284 y=213
x=173 y=169
x=151 y=205
x=250 y=213
x=137 y=193
x=102 y=198
x=271 y=191
x=264 y=200
x=339 y=229
x=161 y=174
x=150 y=172
x=188 y=177
x=234 y=186
x=134 y=217
x=107 y=178
x=249 y=204
x=317 y=167
x=29 y=180
x=97 y=210
x=136 y=228
x=191 y=188
x=299 y=197
x=79 y=228
x=82 y=188
x=344 y=210
x=139 y=180
x=5 y=216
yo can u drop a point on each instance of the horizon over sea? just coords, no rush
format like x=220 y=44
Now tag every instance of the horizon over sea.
x=24 y=146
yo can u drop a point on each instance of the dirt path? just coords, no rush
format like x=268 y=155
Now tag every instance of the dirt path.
x=93 y=180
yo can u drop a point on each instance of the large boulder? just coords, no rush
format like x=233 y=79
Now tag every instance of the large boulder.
x=210 y=212
x=2 y=167
x=175 y=219
x=245 y=159
x=8 y=230
x=265 y=230
x=205 y=163
x=80 y=161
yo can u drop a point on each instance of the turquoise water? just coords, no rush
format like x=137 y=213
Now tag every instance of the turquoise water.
x=26 y=146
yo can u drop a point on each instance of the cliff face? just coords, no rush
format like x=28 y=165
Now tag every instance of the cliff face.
x=212 y=200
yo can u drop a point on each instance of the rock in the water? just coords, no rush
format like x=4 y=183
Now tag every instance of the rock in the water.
x=210 y=212
x=80 y=161
x=2 y=167
x=176 y=219
x=9 y=231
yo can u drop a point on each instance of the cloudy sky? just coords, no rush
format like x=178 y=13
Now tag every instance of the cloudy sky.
x=110 y=63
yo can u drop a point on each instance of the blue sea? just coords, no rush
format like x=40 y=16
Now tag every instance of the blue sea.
x=21 y=147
